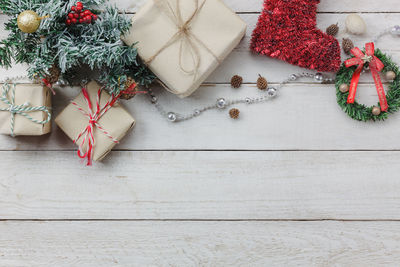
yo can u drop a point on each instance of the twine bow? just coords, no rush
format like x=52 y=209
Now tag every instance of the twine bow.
x=93 y=122
x=375 y=65
x=22 y=110
x=184 y=35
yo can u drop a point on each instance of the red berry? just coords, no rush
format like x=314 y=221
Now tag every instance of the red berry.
x=74 y=21
x=81 y=20
x=73 y=8
x=70 y=15
x=88 y=19
x=76 y=15
x=79 y=8
x=86 y=12
x=94 y=17
x=68 y=22
x=79 y=4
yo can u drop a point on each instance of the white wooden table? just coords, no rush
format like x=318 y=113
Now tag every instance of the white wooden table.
x=293 y=182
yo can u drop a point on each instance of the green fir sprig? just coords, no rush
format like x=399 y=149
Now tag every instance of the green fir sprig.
x=97 y=46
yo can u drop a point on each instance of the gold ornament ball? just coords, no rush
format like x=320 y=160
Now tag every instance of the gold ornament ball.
x=344 y=88
x=390 y=75
x=28 y=21
x=376 y=111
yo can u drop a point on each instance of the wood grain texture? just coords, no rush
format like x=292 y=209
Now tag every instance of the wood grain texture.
x=256 y=5
x=199 y=244
x=213 y=191
x=302 y=117
x=249 y=65
x=202 y=185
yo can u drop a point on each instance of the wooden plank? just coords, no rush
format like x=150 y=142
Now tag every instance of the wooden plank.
x=249 y=65
x=256 y=5
x=199 y=243
x=302 y=117
x=201 y=185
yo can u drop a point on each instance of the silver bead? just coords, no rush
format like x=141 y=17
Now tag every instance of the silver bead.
x=154 y=99
x=395 y=30
x=271 y=92
x=171 y=117
x=248 y=100
x=61 y=82
x=196 y=112
x=221 y=103
x=293 y=77
x=84 y=82
x=319 y=77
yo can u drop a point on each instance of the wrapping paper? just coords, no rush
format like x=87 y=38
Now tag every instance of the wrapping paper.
x=117 y=121
x=216 y=31
x=35 y=95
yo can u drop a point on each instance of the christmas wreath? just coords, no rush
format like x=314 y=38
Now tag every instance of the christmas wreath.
x=60 y=37
x=347 y=81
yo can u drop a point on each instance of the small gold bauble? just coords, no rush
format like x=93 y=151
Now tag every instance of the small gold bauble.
x=344 y=88
x=28 y=21
x=390 y=75
x=376 y=111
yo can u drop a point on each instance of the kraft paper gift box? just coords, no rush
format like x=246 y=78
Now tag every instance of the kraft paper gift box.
x=26 y=99
x=181 y=44
x=116 y=122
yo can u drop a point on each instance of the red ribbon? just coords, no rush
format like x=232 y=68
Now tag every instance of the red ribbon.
x=132 y=89
x=93 y=118
x=375 y=65
x=49 y=85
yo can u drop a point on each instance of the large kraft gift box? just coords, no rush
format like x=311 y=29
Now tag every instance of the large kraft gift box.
x=116 y=121
x=33 y=95
x=184 y=41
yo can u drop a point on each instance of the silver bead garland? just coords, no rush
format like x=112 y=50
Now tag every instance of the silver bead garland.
x=13 y=79
x=394 y=31
x=222 y=103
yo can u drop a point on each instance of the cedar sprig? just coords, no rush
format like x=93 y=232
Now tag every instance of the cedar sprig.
x=96 y=46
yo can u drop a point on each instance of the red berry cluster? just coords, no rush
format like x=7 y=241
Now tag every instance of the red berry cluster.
x=78 y=15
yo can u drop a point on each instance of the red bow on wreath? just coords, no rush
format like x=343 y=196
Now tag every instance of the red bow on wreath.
x=375 y=65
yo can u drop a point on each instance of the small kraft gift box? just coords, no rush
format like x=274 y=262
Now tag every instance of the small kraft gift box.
x=95 y=121
x=25 y=109
x=184 y=41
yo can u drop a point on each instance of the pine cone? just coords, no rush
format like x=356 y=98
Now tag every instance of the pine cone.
x=236 y=81
x=54 y=74
x=332 y=30
x=347 y=45
x=129 y=90
x=234 y=113
x=262 y=83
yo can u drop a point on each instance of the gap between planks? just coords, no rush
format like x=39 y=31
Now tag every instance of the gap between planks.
x=213 y=150
x=199 y=220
